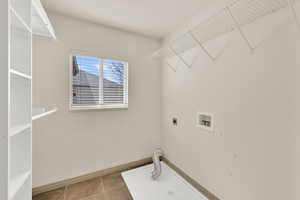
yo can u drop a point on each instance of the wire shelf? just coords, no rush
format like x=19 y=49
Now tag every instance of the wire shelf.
x=233 y=17
x=183 y=43
x=247 y=11
x=217 y=25
x=168 y=57
x=163 y=53
x=171 y=59
x=211 y=29
x=186 y=49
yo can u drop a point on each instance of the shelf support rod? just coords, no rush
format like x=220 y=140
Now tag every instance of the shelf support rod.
x=293 y=13
x=172 y=68
x=201 y=46
x=179 y=56
x=239 y=29
x=222 y=51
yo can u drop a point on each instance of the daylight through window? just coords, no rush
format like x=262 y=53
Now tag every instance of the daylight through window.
x=98 y=83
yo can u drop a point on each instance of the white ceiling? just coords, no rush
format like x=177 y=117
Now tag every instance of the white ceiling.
x=155 y=18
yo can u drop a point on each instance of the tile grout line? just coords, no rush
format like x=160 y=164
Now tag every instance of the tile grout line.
x=102 y=189
x=102 y=184
x=106 y=197
x=65 y=192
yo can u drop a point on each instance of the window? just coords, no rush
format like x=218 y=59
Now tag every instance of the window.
x=98 y=83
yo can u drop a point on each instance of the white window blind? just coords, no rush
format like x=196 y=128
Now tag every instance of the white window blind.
x=98 y=83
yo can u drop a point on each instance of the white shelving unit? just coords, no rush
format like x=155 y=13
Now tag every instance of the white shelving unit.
x=19 y=19
x=41 y=24
x=42 y=112
x=18 y=136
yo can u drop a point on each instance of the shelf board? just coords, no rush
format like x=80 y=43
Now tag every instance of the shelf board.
x=17 y=182
x=23 y=24
x=18 y=129
x=41 y=24
x=43 y=114
x=20 y=74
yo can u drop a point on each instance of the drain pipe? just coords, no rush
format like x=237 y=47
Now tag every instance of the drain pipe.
x=157 y=165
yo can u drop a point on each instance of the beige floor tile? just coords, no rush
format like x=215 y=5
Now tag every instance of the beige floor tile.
x=52 y=195
x=113 y=181
x=99 y=196
x=84 y=189
x=119 y=194
x=111 y=187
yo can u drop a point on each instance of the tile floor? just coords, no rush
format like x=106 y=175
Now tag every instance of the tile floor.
x=110 y=187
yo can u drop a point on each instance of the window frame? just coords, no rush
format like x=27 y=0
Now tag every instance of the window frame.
x=74 y=107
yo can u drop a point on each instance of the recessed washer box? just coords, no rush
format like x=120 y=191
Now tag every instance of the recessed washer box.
x=205 y=121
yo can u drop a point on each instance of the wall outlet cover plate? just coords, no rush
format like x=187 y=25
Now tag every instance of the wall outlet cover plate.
x=205 y=121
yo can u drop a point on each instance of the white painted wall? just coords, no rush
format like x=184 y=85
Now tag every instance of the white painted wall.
x=4 y=101
x=68 y=144
x=254 y=151
x=295 y=137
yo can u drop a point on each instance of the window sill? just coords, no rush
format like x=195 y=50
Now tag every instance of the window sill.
x=99 y=107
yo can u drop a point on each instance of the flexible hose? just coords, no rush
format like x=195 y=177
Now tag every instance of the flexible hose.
x=157 y=165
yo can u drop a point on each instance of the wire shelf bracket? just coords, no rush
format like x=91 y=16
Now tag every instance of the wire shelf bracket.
x=201 y=46
x=171 y=67
x=293 y=13
x=180 y=57
x=169 y=57
x=238 y=27
x=222 y=51
x=161 y=54
x=210 y=29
